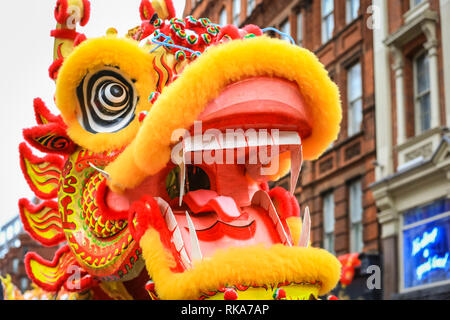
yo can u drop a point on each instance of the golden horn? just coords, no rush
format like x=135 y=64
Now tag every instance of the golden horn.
x=68 y=14
x=164 y=8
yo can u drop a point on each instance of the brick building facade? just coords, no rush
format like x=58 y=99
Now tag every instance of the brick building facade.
x=336 y=186
x=412 y=188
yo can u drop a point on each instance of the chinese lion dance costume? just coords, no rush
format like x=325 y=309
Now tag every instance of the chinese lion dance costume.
x=131 y=222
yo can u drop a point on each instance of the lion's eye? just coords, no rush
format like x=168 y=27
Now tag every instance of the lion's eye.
x=107 y=101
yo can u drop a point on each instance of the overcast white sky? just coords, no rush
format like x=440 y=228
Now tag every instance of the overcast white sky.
x=26 y=53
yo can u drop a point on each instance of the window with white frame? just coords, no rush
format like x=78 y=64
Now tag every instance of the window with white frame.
x=285 y=27
x=15 y=265
x=299 y=29
x=351 y=10
x=327 y=20
x=236 y=12
x=17 y=227
x=328 y=221
x=23 y=283
x=356 y=216
x=250 y=6
x=332 y=77
x=422 y=92
x=9 y=233
x=416 y=2
x=223 y=20
x=354 y=96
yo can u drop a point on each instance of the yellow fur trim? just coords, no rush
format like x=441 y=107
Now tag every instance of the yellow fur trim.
x=255 y=265
x=181 y=103
x=97 y=53
x=124 y=170
x=284 y=166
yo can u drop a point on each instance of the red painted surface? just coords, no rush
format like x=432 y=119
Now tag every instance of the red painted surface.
x=253 y=227
x=116 y=202
x=224 y=216
x=259 y=102
x=207 y=200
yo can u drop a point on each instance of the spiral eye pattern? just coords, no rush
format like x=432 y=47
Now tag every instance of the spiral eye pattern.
x=107 y=101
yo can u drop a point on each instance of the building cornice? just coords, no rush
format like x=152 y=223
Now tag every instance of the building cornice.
x=438 y=162
x=392 y=190
x=411 y=29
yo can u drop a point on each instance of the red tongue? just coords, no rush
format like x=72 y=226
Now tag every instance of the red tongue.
x=198 y=200
x=226 y=208
x=207 y=200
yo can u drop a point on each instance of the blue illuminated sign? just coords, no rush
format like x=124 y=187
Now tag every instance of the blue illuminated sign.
x=426 y=253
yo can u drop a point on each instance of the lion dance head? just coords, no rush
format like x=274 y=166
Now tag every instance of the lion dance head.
x=156 y=179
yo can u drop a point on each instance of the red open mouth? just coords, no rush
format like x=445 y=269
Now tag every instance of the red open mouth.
x=198 y=232
x=207 y=222
x=226 y=205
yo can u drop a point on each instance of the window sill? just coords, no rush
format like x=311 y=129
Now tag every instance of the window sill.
x=412 y=26
x=337 y=33
x=422 y=145
x=416 y=11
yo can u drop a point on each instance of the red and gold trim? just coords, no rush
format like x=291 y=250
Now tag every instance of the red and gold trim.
x=42 y=174
x=280 y=291
x=96 y=220
x=43 y=115
x=42 y=222
x=49 y=138
x=50 y=275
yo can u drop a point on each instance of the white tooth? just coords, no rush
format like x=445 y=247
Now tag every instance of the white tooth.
x=221 y=141
x=185 y=259
x=252 y=140
x=238 y=141
x=256 y=199
x=196 y=253
x=163 y=206
x=177 y=239
x=265 y=202
x=274 y=215
x=167 y=213
x=306 y=229
x=212 y=144
x=288 y=139
x=172 y=225
x=262 y=198
x=182 y=179
x=259 y=199
x=296 y=166
x=171 y=222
